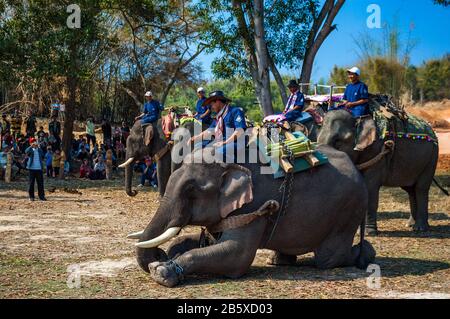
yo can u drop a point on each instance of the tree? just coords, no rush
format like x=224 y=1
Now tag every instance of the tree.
x=40 y=45
x=320 y=30
x=434 y=78
x=255 y=38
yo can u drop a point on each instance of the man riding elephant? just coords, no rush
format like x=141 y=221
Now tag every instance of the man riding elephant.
x=296 y=102
x=203 y=111
x=228 y=126
x=152 y=110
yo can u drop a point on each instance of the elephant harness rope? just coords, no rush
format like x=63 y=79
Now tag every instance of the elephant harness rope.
x=388 y=147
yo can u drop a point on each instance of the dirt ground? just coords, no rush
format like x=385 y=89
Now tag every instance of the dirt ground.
x=80 y=233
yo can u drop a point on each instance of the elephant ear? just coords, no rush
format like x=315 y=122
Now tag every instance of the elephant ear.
x=367 y=134
x=148 y=134
x=236 y=189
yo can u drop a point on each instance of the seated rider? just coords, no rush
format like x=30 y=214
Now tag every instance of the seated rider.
x=228 y=126
x=152 y=110
x=296 y=102
x=203 y=112
x=356 y=94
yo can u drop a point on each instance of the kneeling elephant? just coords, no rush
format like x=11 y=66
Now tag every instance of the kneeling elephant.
x=235 y=202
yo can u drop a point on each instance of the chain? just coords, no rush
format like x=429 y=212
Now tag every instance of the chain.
x=285 y=188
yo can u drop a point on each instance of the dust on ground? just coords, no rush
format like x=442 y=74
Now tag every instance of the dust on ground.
x=44 y=246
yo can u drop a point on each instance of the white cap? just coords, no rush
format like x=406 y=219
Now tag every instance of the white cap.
x=148 y=93
x=354 y=70
x=200 y=89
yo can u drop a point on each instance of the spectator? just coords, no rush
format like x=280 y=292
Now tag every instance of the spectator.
x=85 y=169
x=107 y=132
x=16 y=124
x=30 y=124
x=49 y=161
x=7 y=140
x=56 y=163
x=54 y=127
x=41 y=132
x=125 y=132
x=34 y=166
x=90 y=131
x=82 y=154
x=149 y=174
x=53 y=142
x=99 y=170
x=43 y=144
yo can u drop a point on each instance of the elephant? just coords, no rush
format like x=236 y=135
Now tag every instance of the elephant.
x=411 y=165
x=321 y=217
x=137 y=150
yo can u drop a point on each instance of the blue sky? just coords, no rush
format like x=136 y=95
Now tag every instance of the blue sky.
x=431 y=33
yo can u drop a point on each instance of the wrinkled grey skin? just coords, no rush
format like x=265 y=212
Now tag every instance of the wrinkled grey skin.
x=411 y=167
x=137 y=149
x=190 y=127
x=322 y=217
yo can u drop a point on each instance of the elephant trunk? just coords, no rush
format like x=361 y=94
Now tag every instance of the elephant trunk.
x=166 y=224
x=128 y=180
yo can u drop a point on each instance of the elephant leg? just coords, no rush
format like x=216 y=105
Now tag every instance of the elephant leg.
x=279 y=259
x=335 y=251
x=185 y=243
x=371 y=221
x=421 y=224
x=230 y=257
x=413 y=205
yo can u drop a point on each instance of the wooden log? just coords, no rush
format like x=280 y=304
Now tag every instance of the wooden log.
x=286 y=165
x=62 y=161
x=108 y=165
x=8 y=172
x=312 y=160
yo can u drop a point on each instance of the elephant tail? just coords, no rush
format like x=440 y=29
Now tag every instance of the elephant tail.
x=364 y=252
x=440 y=187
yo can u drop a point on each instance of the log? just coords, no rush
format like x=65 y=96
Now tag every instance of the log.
x=108 y=165
x=9 y=161
x=62 y=161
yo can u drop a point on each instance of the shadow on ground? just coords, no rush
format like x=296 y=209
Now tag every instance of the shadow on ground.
x=304 y=270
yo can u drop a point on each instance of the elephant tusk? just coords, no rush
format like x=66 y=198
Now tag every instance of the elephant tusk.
x=128 y=162
x=136 y=235
x=161 y=239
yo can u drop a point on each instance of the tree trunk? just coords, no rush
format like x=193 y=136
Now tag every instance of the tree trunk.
x=318 y=35
x=72 y=83
x=262 y=58
x=279 y=80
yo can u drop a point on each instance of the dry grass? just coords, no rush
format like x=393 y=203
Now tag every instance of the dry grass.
x=41 y=239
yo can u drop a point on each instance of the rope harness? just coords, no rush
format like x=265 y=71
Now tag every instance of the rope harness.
x=238 y=221
x=388 y=147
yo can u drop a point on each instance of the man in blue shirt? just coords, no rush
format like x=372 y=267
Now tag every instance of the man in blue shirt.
x=296 y=102
x=356 y=94
x=152 y=110
x=228 y=126
x=203 y=111
x=34 y=166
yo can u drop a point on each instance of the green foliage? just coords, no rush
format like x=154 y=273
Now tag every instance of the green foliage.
x=240 y=90
x=434 y=78
x=287 y=25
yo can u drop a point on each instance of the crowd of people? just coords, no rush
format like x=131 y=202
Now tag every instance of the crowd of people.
x=38 y=150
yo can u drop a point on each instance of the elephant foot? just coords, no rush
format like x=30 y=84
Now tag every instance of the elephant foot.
x=165 y=273
x=421 y=227
x=279 y=259
x=371 y=230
